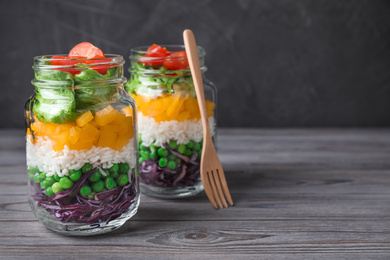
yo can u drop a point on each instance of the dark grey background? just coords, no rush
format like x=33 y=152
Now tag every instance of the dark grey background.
x=286 y=63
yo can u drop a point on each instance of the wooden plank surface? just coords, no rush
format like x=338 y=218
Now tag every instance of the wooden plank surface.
x=299 y=194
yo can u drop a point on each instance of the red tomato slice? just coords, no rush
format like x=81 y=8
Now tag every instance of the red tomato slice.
x=153 y=59
x=176 y=61
x=154 y=56
x=156 y=48
x=86 y=49
x=66 y=61
x=102 y=69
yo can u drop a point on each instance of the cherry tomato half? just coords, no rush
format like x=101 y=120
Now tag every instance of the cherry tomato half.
x=86 y=49
x=153 y=59
x=66 y=61
x=102 y=69
x=176 y=61
x=154 y=56
x=157 y=48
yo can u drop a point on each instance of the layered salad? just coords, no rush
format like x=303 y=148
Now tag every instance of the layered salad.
x=81 y=151
x=170 y=129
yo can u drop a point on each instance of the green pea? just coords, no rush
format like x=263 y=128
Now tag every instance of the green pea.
x=43 y=184
x=47 y=183
x=145 y=155
x=107 y=172
x=197 y=146
x=91 y=196
x=49 y=192
x=122 y=179
x=74 y=175
x=181 y=148
x=36 y=178
x=163 y=162
x=114 y=168
x=172 y=144
x=153 y=148
x=85 y=190
x=95 y=176
x=123 y=168
x=86 y=168
x=33 y=170
x=190 y=144
x=50 y=180
x=66 y=183
x=42 y=175
x=31 y=176
x=140 y=160
x=40 y=178
x=109 y=183
x=56 y=177
x=154 y=156
x=115 y=175
x=56 y=188
x=188 y=152
x=171 y=157
x=98 y=186
x=162 y=152
x=171 y=165
x=143 y=147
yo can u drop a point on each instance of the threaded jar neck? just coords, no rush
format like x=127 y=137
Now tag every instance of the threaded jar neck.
x=55 y=71
x=154 y=66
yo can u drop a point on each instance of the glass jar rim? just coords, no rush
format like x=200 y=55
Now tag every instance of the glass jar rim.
x=42 y=64
x=109 y=59
x=171 y=48
x=137 y=53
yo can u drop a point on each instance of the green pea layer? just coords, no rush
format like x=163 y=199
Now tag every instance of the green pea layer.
x=164 y=157
x=97 y=182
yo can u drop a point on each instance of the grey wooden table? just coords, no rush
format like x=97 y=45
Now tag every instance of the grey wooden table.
x=299 y=194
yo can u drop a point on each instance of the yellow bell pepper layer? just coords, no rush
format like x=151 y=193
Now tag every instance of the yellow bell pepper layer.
x=107 y=128
x=171 y=107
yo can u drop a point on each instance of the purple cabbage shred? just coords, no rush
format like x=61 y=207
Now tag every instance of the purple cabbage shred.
x=186 y=174
x=70 y=206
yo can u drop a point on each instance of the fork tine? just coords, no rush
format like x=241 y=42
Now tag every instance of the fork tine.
x=225 y=187
x=214 y=188
x=207 y=188
x=219 y=188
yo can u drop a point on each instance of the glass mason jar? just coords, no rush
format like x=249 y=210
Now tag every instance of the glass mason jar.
x=170 y=129
x=81 y=145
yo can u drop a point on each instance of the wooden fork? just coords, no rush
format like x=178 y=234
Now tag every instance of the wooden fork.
x=211 y=172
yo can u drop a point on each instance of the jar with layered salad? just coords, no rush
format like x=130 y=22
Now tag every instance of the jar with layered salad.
x=170 y=129
x=81 y=143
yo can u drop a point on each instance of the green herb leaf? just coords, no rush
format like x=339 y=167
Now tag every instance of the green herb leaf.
x=93 y=95
x=62 y=97
x=55 y=100
x=93 y=75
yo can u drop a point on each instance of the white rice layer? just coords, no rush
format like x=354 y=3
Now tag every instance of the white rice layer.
x=162 y=132
x=43 y=156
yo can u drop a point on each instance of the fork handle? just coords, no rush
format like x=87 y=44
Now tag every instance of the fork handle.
x=193 y=59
